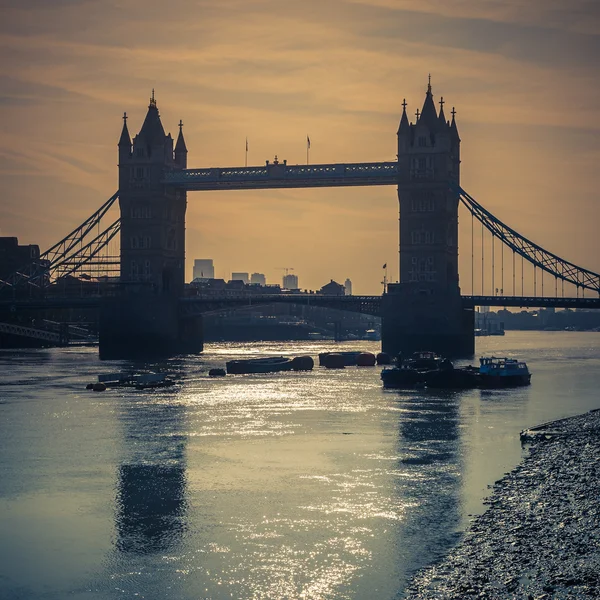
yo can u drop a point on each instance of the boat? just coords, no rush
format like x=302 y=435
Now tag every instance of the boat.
x=411 y=372
x=427 y=369
x=497 y=372
x=270 y=364
x=350 y=357
x=152 y=381
x=402 y=377
x=139 y=381
x=451 y=379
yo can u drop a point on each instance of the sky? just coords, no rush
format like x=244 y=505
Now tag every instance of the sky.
x=522 y=74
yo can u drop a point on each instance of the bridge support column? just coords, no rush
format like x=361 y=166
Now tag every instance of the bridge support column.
x=414 y=320
x=146 y=326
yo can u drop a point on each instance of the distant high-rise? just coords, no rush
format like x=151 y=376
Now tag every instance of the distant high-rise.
x=240 y=277
x=348 y=287
x=204 y=268
x=290 y=282
x=258 y=278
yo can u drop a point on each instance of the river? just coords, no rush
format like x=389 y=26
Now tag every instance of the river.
x=316 y=485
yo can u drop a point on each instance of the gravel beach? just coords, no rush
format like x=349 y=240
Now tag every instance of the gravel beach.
x=540 y=536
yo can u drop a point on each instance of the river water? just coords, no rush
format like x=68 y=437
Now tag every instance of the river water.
x=317 y=485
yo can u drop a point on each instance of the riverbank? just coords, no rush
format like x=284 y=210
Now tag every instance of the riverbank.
x=540 y=536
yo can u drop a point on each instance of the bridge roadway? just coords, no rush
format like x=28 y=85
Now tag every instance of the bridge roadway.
x=281 y=175
x=371 y=304
x=364 y=304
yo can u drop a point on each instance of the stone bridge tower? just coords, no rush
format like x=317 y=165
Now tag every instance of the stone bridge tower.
x=152 y=214
x=145 y=318
x=424 y=310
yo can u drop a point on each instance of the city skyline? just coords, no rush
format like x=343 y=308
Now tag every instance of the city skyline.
x=523 y=80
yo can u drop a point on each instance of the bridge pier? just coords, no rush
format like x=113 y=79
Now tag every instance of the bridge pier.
x=412 y=322
x=146 y=326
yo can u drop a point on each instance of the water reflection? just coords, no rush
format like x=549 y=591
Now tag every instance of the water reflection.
x=429 y=451
x=151 y=504
x=150 y=508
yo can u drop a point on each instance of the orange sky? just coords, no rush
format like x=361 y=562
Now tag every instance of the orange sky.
x=522 y=75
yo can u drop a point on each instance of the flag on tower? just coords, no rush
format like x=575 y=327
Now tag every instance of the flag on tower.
x=246 y=144
x=307 y=142
x=384 y=266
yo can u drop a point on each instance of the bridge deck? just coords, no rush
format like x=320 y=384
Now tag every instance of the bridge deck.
x=372 y=304
x=282 y=175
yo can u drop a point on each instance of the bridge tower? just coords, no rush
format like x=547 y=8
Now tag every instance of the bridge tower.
x=424 y=310
x=145 y=319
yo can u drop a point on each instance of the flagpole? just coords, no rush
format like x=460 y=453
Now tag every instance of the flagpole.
x=246 y=163
x=307 y=147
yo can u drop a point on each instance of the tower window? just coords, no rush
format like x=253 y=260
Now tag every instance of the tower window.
x=422 y=141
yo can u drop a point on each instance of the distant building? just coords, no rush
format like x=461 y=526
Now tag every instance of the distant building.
x=332 y=289
x=290 y=282
x=240 y=277
x=258 y=278
x=201 y=283
x=14 y=257
x=204 y=268
x=348 y=287
x=237 y=285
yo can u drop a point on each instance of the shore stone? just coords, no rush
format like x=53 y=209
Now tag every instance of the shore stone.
x=540 y=536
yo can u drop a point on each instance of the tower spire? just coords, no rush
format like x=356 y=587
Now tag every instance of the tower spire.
x=429 y=115
x=180 y=147
x=152 y=100
x=125 y=139
x=404 y=127
x=453 y=127
x=442 y=115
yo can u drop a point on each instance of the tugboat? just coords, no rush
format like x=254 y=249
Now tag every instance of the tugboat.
x=427 y=369
x=502 y=372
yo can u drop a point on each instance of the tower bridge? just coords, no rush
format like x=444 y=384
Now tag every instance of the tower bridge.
x=425 y=309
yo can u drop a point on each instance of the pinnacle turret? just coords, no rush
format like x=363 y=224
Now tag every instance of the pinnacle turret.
x=125 y=139
x=429 y=115
x=180 y=146
x=453 y=127
x=152 y=131
x=404 y=128
x=442 y=116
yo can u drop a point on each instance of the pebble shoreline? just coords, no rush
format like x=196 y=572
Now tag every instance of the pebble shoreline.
x=540 y=536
